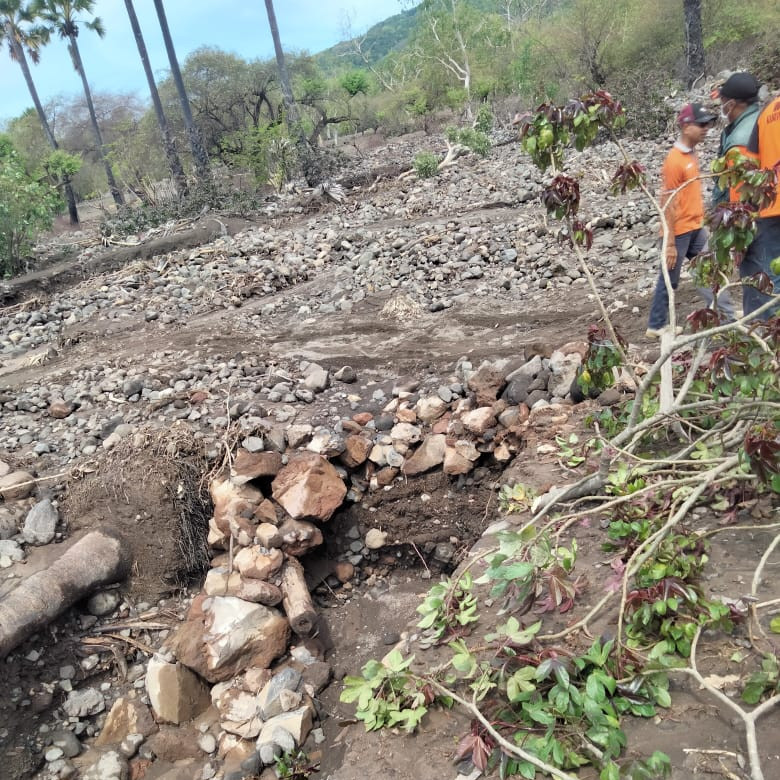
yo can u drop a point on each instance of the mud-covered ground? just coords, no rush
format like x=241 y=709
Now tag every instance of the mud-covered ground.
x=491 y=315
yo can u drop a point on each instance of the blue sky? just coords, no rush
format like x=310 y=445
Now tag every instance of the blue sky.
x=239 y=26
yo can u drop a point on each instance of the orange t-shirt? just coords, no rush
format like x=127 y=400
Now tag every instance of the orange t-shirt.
x=683 y=211
x=766 y=141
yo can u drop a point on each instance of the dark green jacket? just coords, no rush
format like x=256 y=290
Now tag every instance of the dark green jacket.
x=736 y=134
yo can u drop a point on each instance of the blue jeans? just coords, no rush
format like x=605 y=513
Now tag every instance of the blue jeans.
x=687 y=245
x=764 y=249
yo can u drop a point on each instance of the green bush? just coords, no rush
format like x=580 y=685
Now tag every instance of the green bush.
x=268 y=152
x=355 y=82
x=426 y=165
x=27 y=208
x=484 y=121
x=475 y=140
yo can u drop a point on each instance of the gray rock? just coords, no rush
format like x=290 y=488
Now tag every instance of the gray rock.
x=11 y=550
x=253 y=444
x=316 y=380
x=110 y=766
x=67 y=741
x=40 y=523
x=7 y=525
x=103 y=603
x=287 y=680
x=346 y=374
x=83 y=703
x=131 y=387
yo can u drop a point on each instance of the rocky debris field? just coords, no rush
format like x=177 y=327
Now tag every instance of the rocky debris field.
x=343 y=384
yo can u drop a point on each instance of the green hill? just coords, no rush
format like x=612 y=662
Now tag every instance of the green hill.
x=384 y=37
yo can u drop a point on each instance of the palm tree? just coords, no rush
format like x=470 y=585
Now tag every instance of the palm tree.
x=61 y=15
x=284 y=76
x=13 y=14
x=199 y=155
x=174 y=163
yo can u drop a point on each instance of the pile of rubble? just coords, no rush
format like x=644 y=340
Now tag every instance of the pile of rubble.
x=228 y=668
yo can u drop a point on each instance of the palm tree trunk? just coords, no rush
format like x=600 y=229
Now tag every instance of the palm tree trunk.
x=174 y=163
x=19 y=56
x=198 y=151
x=284 y=76
x=116 y=193
x=694 y=42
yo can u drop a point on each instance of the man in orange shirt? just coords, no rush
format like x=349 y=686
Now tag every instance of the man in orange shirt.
x=683 y=207
x=765 y=142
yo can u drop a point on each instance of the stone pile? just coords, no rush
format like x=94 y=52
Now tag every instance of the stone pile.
x=228 y=671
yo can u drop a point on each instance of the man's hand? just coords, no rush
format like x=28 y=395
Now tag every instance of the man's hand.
x=671 y=256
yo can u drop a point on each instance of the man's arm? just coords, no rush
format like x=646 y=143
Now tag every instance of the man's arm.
x=670 y=180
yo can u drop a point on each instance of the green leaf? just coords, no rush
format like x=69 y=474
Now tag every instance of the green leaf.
x=537 y=713
x=611 y=771
x=753 y=692
x=774 y=625
x=526 y=769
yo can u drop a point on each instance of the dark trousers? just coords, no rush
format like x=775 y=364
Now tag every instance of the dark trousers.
x=687 y=244
x=759 y=255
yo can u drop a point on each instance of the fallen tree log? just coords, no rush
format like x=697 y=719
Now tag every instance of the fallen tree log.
x=99 y=558
x=296 y=599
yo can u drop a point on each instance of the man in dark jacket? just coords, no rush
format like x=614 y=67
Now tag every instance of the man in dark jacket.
x=739 y=106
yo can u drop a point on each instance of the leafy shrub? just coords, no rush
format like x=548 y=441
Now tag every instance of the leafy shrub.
x=268 y=152
x=27 y=208
x=484 y=121
x=426 y=165
x=355 y=82
x=476 y=140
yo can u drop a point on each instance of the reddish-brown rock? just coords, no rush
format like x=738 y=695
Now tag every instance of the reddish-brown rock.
x=477 y=421
x=361 y=418
x=488 y=381
x=386 y=475
x=345 y=571
x=309 y=487
x=251 y=465
x=299 y=536
x=455 y=463
x=223 y=636
x=60 y=409
x=356 y=451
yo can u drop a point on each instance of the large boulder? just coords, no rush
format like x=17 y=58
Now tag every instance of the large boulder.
x=309 y=487
x=225 y=635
